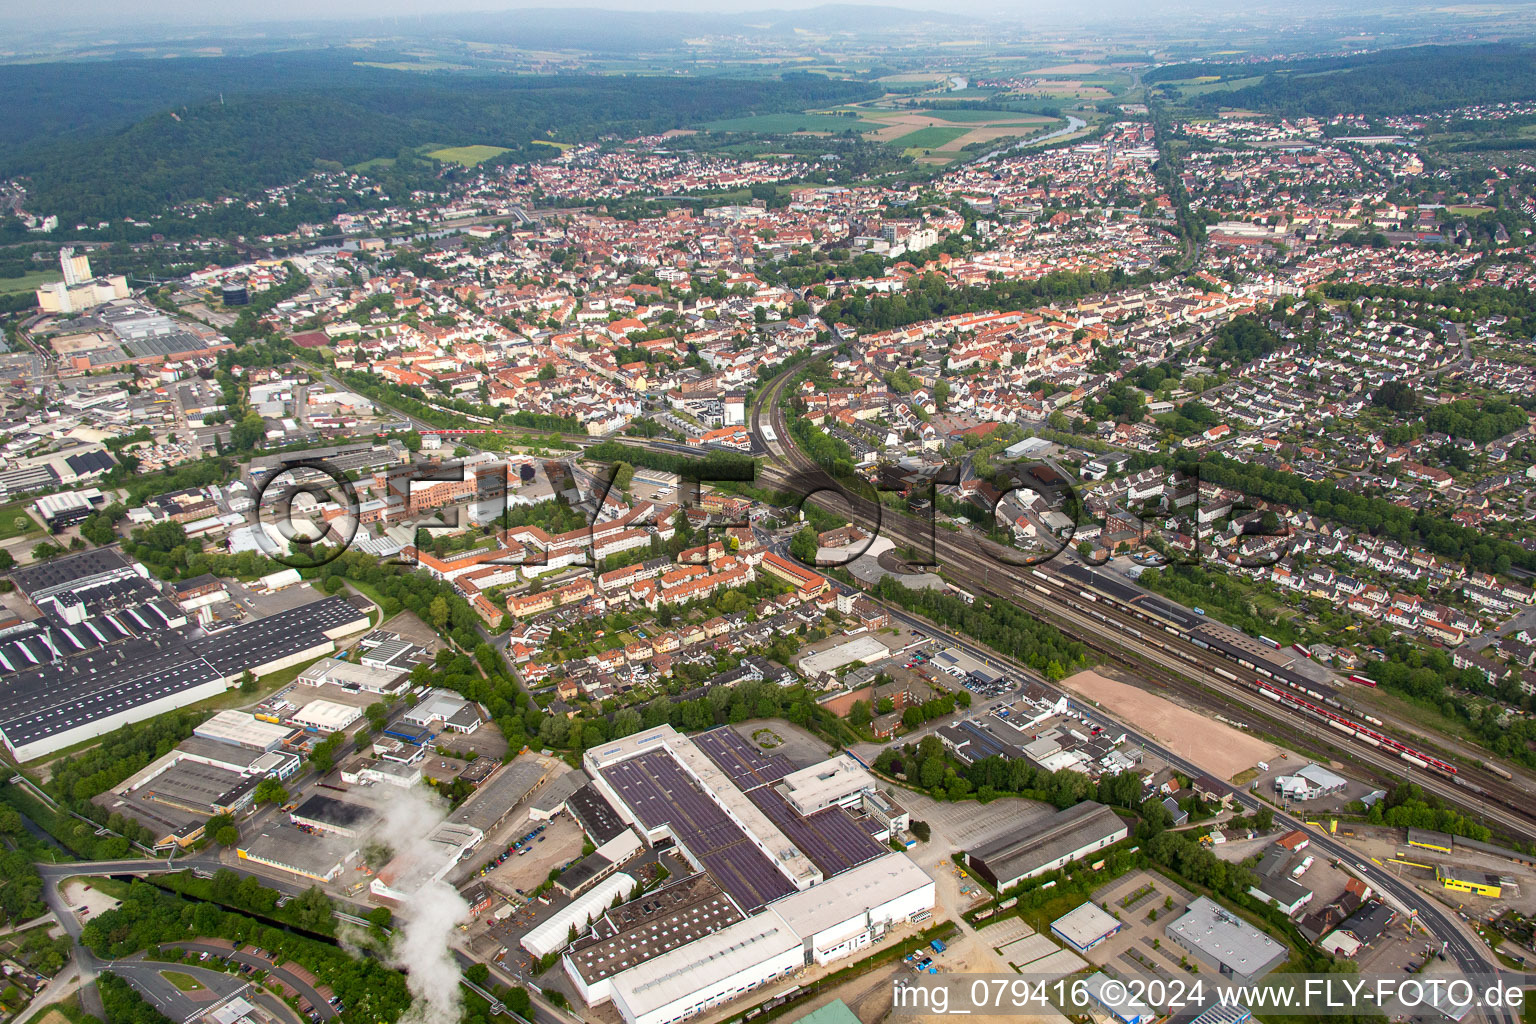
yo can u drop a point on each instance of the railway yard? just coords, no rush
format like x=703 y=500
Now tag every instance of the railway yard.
x=1198 y=662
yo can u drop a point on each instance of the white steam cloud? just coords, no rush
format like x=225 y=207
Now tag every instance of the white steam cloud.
x=425 y=923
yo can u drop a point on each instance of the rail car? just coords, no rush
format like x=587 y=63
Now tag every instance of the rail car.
x=1363 y=681
x=1356 y=729
x=1500 y=772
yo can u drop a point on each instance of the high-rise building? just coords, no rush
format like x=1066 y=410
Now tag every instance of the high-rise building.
x=77 y=269
x=79 y=290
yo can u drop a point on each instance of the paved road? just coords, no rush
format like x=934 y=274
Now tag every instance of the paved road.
x=145 y=976
x=278 y=973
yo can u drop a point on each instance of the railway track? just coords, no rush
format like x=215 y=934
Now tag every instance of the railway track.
x=1141 y=639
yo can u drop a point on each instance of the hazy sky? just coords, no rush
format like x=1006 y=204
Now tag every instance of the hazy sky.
x=193 y=12
x=127 y=20
x=175 y=16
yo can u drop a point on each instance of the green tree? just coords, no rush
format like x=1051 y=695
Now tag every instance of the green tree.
x=437 y=612
x=271 y=791
x=803 y=545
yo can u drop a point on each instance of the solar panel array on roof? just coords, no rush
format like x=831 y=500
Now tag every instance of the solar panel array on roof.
x=657 y=789
x=746 y=766
x=831 y=838
x=46 y=696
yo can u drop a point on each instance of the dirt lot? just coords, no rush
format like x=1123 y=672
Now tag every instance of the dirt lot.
x=1214 y=746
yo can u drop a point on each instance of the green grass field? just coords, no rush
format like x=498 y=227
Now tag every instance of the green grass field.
x=783 y=124
x=930 y=138
x=29 y=281
x=11 y=521
x=469 y=156
x=185 y=982
x=1468 y=211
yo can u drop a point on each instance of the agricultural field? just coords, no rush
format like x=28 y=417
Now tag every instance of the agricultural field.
x=469 y=156
x=931 y=135
x=980 y=116
x=788 y=124
x=930 y=139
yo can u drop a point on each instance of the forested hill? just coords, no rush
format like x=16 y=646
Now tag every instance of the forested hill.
x=1415 y=80
x=259 y=140
x=82 y=98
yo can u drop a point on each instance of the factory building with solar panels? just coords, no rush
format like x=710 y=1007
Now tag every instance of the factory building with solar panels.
x=790 y=870
x=108 y=650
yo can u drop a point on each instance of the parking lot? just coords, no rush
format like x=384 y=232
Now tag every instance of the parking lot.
x=559 y=842
x=1145 y=903
x=261 y=603
x=968 y=825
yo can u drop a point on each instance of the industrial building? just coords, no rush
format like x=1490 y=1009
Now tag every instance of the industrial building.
x=1476 y=882
x=446 y=845
x=833 y=783
x=242 y=729
x=446 y=710
x=1425 y=839
x=1037 y=848
x=351 y=676
x=1310 y=783
x=91 y=686
x=758 y=906
x=1224 y=941
x=716 y=969
x=325 y=716
x=327 y=814
x=1116 y=1001
x=68 y=508
x=318 y=856
x=552 y=934
x=1085 y=927
x=864 y=903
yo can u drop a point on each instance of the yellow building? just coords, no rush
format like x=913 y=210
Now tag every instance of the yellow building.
x=1424 y=839
x=1475 y=882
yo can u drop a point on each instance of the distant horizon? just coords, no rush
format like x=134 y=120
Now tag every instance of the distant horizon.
x=171 y=19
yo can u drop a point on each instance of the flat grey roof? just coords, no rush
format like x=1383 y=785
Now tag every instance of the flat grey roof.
x=1226 y=939
x=1021 y=851
x=491 y=802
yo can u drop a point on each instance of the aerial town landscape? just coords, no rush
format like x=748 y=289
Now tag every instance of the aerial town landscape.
x=829 y=515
